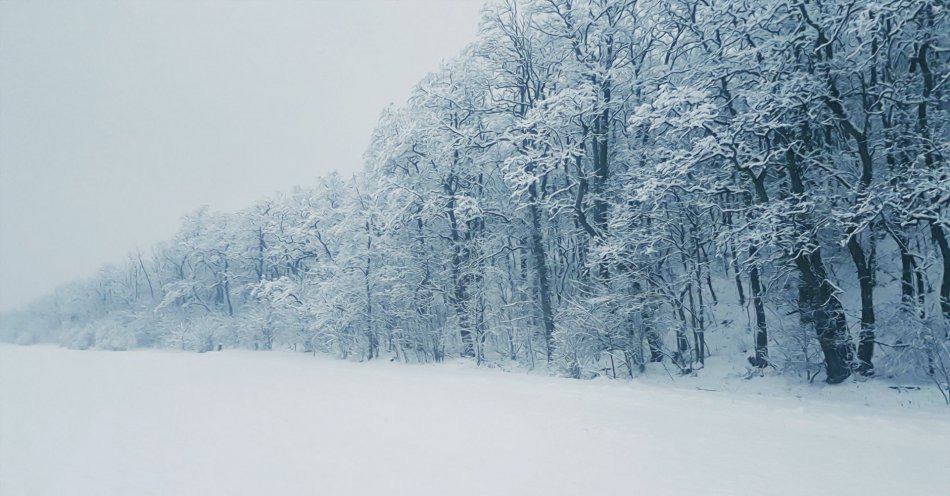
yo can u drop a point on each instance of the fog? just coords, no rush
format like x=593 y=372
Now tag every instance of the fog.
x=118 y=118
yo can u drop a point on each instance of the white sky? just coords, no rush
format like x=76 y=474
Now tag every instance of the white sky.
x=118 y=118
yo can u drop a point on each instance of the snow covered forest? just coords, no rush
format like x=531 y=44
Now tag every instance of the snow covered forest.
x=590 y=188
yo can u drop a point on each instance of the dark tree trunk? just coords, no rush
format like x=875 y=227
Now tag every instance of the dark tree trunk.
x=682 y=342
x=944 y=245
x=460 y=296
x=653 y=338
x=541 y=267
x=817 y=299
x=912 y=282
x=827 y=315
x=761 y=331
x=862 y=262
x=932 y=160
x=761 y=359
x=866 y=282
x=735 y=269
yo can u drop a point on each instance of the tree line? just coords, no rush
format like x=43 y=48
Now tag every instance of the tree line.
x=594 y=186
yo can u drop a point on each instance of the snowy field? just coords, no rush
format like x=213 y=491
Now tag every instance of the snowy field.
x=233 y=423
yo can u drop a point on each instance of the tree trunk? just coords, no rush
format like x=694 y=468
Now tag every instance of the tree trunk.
x=866 y=282
x=817 y=296
x=827 y=315
x=460 y=294
x=942 y=242
x=761 y=359
x=541 y=267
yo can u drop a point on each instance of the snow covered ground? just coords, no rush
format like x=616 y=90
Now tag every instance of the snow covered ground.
x=233 y=423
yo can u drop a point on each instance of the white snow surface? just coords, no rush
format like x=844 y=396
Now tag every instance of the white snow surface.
x=246 y=423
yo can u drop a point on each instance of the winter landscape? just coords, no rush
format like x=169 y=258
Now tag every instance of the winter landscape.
x=236 y=423
x=589 y=246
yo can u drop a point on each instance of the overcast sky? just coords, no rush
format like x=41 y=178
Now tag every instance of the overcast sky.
x=117 y=118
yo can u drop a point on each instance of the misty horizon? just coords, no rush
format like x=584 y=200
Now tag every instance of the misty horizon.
x=118 y=119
